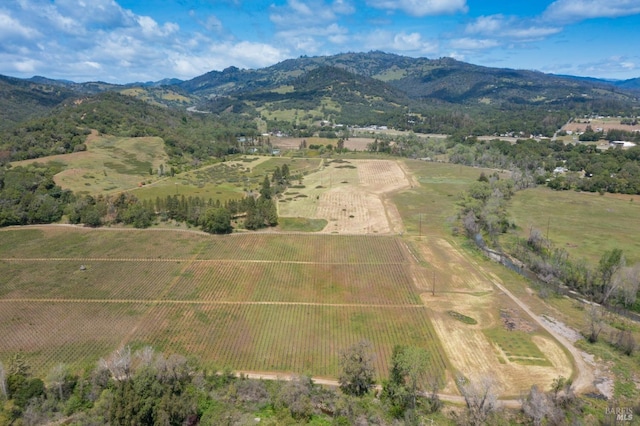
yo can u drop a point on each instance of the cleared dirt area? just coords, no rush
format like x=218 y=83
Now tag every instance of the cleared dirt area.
x=352 y=144
x=478 y=349
x=351 y=196
x=604 y=124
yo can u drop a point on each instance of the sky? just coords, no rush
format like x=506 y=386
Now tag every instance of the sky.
x=125 y=41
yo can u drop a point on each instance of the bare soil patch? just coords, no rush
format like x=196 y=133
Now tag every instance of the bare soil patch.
x=351 y=212
x=351 y=196
x=357 y=144
x=352 y=144
x=463 y=286
x=599 y=124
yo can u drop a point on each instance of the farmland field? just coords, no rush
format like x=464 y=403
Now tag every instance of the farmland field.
x=351 y=195
x=285 y=303
x=565 y=215
x=450 y=279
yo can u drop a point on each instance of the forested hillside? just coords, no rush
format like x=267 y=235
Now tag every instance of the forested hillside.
x=425 y=95
x=64 y=129
x=22 y=99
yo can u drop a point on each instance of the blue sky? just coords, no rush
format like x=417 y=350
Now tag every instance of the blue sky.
x=123 y=41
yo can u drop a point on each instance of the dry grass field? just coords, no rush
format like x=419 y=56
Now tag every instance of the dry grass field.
x=352 y=144
x=504 y=343
x=599 y=123
x=110 y=164
x=351 y=195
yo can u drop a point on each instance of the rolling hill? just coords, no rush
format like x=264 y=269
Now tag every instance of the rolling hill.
x=425 y=95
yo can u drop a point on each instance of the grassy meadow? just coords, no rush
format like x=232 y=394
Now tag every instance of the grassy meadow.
x=584 y=224
x=430 y=206
x=110 y=164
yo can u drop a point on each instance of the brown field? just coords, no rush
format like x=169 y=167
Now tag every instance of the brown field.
x=282 y=302
x=605 y=124
x=352 y=144
x=461 y=284
x=351 y=196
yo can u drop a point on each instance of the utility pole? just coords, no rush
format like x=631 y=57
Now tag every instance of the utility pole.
x=548 y=223
x=433 y=289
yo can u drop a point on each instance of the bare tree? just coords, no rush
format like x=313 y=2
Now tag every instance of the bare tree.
x=171 y=369
x=145 y=356
x=118 y=363
x=57 y=377
x=595 y=322
x=470 y=223
x=537 y=405
x=295 y=394
x=610 y=263
x=625 y=340
x=627 y=284
x=480 y=398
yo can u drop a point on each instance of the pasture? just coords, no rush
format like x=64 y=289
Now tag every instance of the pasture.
x=225 y=180
x=110 y=164
x=584 y=224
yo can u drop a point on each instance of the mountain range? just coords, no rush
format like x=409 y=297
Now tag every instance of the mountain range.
x=433 y=95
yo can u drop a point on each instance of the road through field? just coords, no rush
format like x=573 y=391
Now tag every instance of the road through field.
x=324 y=381
x=583 y=378
x=583 y=381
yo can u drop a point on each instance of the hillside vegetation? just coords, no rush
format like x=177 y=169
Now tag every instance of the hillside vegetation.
x=419 y=94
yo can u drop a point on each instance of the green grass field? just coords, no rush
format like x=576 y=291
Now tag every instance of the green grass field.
x=431 y=206
x=584 y=224
x=110 y=164
x=301 y=224
x=276 y=302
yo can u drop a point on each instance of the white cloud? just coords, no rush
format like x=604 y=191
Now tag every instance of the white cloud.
x=509 y=27
x=26 y=66
x=330 y=30
x=457 y=56
x=10 y=28
x=422 y=7
x=399 y=42
x=578 y=10
x=214 y=24
x=310 y=40
x=77 y=16
x=93 y=65
x=605 y=67
x=343 y=7
x=296 y=13
x=151 y=28
x=472 y=43
x=216 y=56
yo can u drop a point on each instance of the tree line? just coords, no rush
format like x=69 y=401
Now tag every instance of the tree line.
x=583 y=167
x=28 y=195
x=146 y=387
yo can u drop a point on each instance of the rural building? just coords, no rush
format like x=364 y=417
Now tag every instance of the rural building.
x=622 y=144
